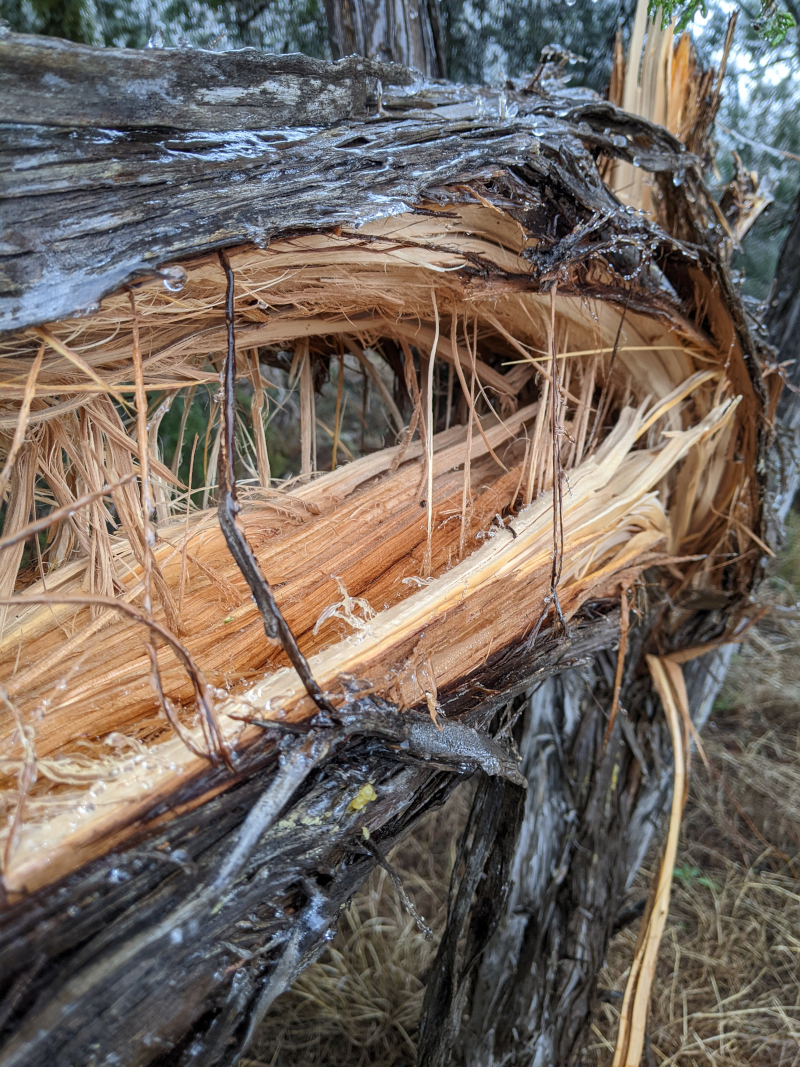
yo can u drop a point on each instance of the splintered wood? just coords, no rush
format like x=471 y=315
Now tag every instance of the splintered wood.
x=402 y=572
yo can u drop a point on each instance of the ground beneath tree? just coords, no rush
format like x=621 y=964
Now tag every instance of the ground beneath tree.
x=727 y=990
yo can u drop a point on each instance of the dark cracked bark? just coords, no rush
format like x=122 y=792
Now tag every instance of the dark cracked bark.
x=782 y=321
x=529 y=984
x=161 y=963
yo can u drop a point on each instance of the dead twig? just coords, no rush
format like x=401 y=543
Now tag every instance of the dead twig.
x=66 y=512
x=275 y=625
x=22 y=422
x=600 y=411
x=558 y=473
x=217 y=745
x=624 y=619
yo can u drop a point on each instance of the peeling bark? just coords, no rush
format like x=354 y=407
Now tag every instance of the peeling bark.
x=167 y=194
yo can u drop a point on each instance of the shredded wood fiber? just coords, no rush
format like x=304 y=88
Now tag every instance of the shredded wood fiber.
x=660 y=476
x=491 y=408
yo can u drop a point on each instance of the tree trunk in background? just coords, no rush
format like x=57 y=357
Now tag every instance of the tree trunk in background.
x=783 y=324
x=397 y=31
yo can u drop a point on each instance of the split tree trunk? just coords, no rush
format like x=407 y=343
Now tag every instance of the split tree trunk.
x=180 y=928
x=527 y=981
x=537 y=936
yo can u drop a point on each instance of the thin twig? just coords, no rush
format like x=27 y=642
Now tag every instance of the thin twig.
x=202 y=690
x=65 y=512
x=79 y=362
x=558 y=474
x=337 y=413
x=275 y=625
x=449 y=409
x=397 y=881
x=600 y=410
x=429 y=440
x=186 y=528
x=469 y=395
x=257 y=419
x=148 y=559
x=188 y=400
x=624 y=618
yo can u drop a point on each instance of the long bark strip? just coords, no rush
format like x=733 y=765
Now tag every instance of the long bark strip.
x=430 y=429
x=636 y=1003
x=624 y=622
x=529 y=996
x=558 y=473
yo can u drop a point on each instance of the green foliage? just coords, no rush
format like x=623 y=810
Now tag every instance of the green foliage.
x=773 y=24
x=682 y=10
x=70 y=18
x=693 y=876
x=270 y=25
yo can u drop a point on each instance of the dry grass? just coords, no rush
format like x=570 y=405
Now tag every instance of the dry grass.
x=727 y=988
x=728 y=985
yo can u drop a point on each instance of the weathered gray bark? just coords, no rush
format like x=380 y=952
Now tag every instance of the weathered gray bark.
x=51 y=82
x=782 y=321
x=167 y=195
x=529 y=982
x=400 y=31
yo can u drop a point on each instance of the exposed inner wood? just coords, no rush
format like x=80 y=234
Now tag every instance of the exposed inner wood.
x=665 y=476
